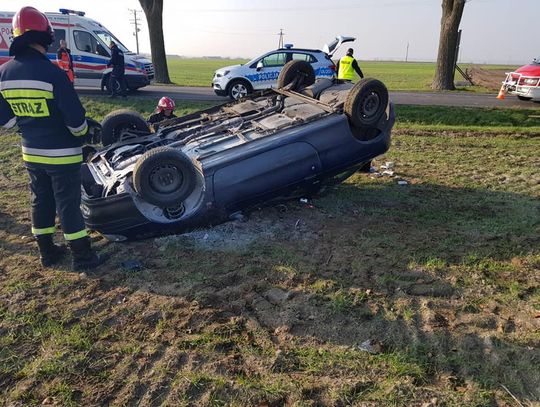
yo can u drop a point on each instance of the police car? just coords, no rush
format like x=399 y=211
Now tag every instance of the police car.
x=262 y=72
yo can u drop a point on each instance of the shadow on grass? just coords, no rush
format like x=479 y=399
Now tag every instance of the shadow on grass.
x=425 y=271
x=441 y=282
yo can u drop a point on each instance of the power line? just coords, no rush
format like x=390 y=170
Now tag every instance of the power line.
x=135 y=22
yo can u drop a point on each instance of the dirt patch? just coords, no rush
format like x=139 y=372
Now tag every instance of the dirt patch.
x=237 y=235
x=488 y=78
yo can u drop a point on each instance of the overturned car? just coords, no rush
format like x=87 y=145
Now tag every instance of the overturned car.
x=207 y=167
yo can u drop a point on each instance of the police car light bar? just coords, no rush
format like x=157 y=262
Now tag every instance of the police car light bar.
x=288 y=46
x=67 y=11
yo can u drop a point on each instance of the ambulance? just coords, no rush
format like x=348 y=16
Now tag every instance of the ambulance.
x=89 y=43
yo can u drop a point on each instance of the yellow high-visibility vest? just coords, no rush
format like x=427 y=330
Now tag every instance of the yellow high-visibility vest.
x=346 y=70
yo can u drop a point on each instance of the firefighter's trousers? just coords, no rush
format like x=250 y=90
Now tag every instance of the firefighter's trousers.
x=57 y=189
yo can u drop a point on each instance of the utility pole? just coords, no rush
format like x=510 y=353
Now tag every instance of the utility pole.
x=135 y=22
x=280 y=44
x=407 y=54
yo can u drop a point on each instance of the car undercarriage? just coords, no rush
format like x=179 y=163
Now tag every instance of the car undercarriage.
x=204 y=167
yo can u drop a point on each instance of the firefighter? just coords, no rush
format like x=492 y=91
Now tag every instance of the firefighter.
x=117 y=76
x=164 y=111
x=347 y=66
x=37 y=96
x=64 y=60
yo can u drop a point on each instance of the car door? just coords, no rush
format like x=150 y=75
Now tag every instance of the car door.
x=334 y=45
x=89 y=57
x=321 y=68
x=268 y=69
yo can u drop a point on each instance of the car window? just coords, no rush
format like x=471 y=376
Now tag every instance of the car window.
x=303 y=57
x=106 y=37
x=277 y=59
x=58 y=35
x=87 y=42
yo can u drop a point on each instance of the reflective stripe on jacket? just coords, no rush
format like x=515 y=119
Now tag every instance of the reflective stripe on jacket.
x=346 y=70
x=39 y=97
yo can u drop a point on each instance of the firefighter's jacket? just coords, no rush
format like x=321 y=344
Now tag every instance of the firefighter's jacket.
x=37 y=96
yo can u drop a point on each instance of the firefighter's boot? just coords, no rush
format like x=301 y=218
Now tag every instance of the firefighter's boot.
x=84 y=257
x=50 y=253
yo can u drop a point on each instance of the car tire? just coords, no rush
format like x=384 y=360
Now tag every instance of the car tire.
x=366 y=103
x=238 y=89
x=164 y=177
x=301 y=71
x=119 y=121
x=525 y=98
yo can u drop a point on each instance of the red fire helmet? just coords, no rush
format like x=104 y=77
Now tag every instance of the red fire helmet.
x=166 y=103
x=31 y=19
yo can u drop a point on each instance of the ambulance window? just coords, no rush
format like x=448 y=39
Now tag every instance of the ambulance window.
x=107 y=37
x=303 y=57
x=58 y=35
x=277 y=59
x=87 y=42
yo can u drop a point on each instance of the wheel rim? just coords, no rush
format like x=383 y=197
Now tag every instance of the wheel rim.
x=238 y=91
x=370 y=105
x=165 y=179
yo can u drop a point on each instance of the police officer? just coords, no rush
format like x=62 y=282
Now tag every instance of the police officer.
x=164 y=111
x=64 y=60
x=347 y=66
x=117 y=76
x=37 y=96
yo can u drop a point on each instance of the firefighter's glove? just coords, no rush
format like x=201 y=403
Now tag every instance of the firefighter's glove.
x=94 y=132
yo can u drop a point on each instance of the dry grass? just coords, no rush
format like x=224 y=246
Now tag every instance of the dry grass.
x=442 y=275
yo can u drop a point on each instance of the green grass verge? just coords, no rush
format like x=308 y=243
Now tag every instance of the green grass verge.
x=464 y=119
x=426 y=118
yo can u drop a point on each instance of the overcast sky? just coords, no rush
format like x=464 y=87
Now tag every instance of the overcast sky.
x=494 y=31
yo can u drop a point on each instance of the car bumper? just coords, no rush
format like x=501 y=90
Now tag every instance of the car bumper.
x=525 y=91
x=220 y=88
x=137 y=81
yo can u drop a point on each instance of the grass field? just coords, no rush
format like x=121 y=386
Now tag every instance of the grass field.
x=412 y=76
x=428 y=118
x=441 y=276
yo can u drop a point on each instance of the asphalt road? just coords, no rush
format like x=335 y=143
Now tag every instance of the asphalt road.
x=206 y=94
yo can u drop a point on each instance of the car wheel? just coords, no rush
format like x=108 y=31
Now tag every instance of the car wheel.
x=239 y=89
x=164 y=177
x=116 y=126
x=366 y=103
x=524 y=97
x=300 y=72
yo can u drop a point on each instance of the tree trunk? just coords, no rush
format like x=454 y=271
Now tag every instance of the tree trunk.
x=153 y=9
x=452 y=11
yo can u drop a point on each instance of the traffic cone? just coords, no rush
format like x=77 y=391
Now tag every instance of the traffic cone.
x=501 y=94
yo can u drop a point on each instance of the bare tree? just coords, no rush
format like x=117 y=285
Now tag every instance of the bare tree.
x=153 y=9
x=452 y=11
